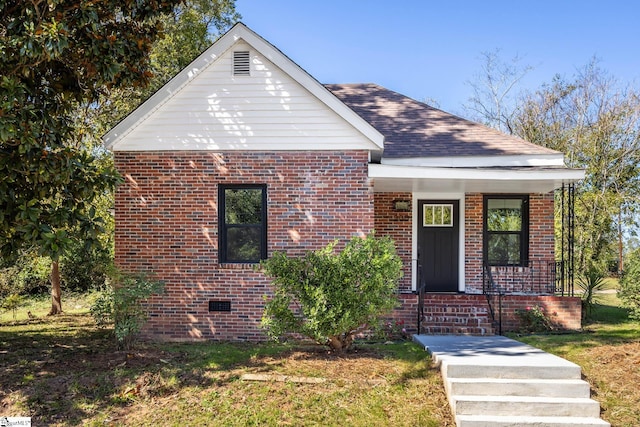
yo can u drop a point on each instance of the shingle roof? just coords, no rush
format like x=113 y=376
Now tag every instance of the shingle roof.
x=414 y=129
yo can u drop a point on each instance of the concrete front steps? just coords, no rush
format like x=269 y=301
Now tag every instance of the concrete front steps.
x=496 y=382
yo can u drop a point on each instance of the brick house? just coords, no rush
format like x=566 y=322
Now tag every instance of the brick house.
x=243 y=153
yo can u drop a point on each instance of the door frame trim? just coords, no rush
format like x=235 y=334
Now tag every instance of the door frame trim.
x=460 y=197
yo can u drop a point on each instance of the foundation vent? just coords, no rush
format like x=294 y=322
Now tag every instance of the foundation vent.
x=219 y=305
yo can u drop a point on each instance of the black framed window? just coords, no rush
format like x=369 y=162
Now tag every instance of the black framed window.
x=243 y=223
x=506 y=230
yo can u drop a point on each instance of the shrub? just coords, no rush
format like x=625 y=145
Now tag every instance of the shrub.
x=121 y=305
x=629 y=291
x=27 y=274
x=388 y=330
x=84 y=269
x=12 y=303
x=533 y=319
x=329 y=296
x=590 y=281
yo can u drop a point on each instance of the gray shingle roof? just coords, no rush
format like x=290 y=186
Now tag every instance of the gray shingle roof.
x=414 y=129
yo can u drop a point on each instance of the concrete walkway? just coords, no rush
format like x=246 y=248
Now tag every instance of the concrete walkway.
x=496 y=381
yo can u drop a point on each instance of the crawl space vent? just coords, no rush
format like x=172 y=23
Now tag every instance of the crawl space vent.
x=219 y=305
x=241 y=65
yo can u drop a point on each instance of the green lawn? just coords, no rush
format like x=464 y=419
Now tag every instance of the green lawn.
x=63 y=371
x=608 y=350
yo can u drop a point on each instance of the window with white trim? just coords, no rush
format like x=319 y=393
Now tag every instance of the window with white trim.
x=437 y=215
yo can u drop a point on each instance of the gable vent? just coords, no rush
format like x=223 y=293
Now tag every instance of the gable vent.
x=241 y=66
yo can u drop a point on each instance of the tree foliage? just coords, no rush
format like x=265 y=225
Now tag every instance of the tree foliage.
x=595 y=122
x=629 y=291
x=56 y=55
x=60 y=61
x=328 y=296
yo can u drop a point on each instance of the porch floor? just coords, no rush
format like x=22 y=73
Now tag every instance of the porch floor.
x=496 y=381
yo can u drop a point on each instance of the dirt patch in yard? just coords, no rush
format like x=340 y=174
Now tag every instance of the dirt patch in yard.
x=614 y=374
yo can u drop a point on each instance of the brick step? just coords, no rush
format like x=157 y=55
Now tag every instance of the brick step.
x=456 y=330
x=456 y=321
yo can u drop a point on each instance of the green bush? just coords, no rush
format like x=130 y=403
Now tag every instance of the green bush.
x=81 y=270
x=590 y=281
x=629 y=291
x=329 y=296
x=28 y=274
x=533 y=320
x=84 y=269
x=121 y=304
x=12 y=303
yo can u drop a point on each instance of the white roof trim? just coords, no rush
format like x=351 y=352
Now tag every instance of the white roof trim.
x=208 y=57
x=479 y=161
x=496 y=180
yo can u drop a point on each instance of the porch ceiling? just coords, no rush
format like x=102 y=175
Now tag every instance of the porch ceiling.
x=388 y=178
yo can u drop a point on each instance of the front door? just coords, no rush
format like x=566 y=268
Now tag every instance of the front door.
x=438 y=244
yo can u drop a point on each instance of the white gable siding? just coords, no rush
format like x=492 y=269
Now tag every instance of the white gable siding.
x=266 y=111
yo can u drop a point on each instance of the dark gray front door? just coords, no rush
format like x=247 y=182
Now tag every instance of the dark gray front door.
x=438 y=244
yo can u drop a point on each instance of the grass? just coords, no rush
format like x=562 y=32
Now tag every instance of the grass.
x=63 y=371
x=608 y=350
x=40 y=305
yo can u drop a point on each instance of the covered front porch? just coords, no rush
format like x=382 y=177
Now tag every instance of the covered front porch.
x=478 y=244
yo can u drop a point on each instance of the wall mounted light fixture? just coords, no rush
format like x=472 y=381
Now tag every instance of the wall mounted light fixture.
x=402 y=205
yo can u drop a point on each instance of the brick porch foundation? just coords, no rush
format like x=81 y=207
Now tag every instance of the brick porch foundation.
x=469 y=313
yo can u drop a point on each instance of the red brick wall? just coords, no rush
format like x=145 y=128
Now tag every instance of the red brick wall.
x=398 y=226
x=563 y=312
x=167 y=224
x=462 y=313
x=541 y=235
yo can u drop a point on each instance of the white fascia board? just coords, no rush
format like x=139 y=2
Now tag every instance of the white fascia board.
x=313 y=86
x=479 y=161
x=208 y=57
x=470 y=174
x=163 y=94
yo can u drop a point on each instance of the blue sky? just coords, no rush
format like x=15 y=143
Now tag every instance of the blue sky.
x=431 y=49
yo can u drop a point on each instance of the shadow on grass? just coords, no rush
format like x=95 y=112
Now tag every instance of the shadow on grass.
x=63 y=370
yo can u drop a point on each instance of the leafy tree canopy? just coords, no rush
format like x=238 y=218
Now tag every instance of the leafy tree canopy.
x=55 y=55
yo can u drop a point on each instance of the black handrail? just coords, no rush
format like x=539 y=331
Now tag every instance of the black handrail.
x=490 y=288
x=421 y=291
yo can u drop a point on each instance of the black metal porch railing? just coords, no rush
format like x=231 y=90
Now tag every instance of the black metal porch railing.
x=421 y=291
x=538 y=277
x=534 y=277
x=492 y=291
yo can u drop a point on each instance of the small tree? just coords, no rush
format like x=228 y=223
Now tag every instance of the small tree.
x=12 y=303
x=329 y=296
x=591 y=281
x=630 y=285
x=121 y=305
